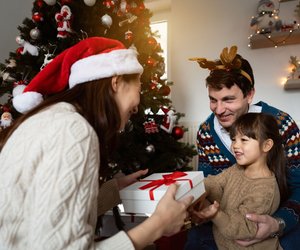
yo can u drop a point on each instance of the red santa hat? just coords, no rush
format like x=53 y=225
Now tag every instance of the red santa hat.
x=90 y=59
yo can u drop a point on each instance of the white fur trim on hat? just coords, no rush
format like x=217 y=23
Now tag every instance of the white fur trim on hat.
x=116 y=62
x=26 y=101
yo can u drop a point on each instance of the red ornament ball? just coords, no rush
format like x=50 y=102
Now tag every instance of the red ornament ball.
x=37 y=17
x=151 y=61
x=165 y=90
x=177 y=132
x=152 y=42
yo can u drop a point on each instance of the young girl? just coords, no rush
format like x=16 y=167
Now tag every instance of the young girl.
x=256 y=183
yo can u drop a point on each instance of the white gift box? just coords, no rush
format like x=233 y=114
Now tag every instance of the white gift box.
x=144 y=195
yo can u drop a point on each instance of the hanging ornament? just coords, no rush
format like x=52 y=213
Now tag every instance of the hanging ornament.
x=152 y=42
x=169 y=120
x=35 y=33
x=150 y=127
x=11 y=63
x=137 y=9
x=7 y=77
x=177 y=132
x=164 y=90
x=151 y=61
x=50 y=2
x=109 y=4
x=39 y=3
x=89 y=2
x=150 y=149
x=64 y=19
x=27 y=47
x=6 y=119
x=37 y=17
x=106 y=20
x=153 y=86
x=124 y=6
x=48 y=58
x=129 y=35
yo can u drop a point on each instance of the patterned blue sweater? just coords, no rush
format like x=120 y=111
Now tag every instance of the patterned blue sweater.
x=215 y=157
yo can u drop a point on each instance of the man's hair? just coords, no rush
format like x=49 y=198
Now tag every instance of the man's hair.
x=220 y=78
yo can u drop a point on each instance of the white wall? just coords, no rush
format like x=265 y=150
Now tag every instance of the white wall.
x=203 y=28
x=12 y=14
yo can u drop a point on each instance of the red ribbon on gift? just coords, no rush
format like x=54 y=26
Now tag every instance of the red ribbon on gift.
x=167 y=180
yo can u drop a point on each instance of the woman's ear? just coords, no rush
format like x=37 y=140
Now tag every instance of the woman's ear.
x=114 y=83
x=267 y=145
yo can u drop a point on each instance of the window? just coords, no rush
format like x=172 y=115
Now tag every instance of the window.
x=161 y=28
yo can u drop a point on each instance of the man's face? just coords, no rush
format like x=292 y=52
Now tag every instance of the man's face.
x=228 y=104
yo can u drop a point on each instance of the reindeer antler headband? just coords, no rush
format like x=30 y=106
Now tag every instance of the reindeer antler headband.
x=228 y=59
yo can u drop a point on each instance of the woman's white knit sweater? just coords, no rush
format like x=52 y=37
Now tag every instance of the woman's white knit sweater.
x=49 y=185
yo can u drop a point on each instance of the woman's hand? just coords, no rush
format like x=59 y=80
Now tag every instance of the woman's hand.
x=171 y=213
x=167 y=219
x=125 y=180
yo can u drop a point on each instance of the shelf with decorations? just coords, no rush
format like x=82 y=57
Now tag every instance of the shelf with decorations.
x=274 y=39
x=292 y=82
x=270 y=29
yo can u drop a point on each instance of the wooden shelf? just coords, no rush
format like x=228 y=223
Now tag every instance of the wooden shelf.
x=292 y=84
x=275 y=39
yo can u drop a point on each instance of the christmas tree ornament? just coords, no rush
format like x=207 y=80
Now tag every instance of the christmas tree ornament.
x=64 y=20
x=151 y=61
x=50 y=2
x=35 y=33
x=164 y=90
x=109 y=4
x=150 y=127
x=89 y=2
x=129 y=35
x=39 y=3
x=152 y=42
x=27 y=47
x=150 y=148
x=124 y=7
x=106 y=20
x=6 y=119
x=7 y=77
x=48 y=58
x=168 y=120
x=177 y=132
x=37 y=17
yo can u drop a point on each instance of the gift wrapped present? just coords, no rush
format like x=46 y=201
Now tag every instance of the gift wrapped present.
x=144 y=195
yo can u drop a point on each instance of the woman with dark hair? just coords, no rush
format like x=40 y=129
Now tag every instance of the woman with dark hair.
x=54 y=158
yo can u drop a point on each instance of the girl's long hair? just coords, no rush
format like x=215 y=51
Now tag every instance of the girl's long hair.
x=94 y=100
x=261 y=126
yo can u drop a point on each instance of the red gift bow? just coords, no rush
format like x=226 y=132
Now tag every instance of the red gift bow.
x=167 y=180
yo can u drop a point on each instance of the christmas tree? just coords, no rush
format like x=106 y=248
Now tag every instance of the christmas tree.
x=152 y=137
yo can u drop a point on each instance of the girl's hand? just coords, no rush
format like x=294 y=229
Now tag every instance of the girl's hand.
x=208 y=212
x=125 y=180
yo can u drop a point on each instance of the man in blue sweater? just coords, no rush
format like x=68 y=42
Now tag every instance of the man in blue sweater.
x=231 y=90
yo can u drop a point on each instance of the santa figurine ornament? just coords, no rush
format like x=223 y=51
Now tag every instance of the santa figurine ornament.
x=64 y=20
x=6 y=119
x=169 y=120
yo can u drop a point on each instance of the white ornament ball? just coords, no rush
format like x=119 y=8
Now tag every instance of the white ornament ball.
x=50 y=2
x=35 y=33
x=89 y=2
x=106 y=20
